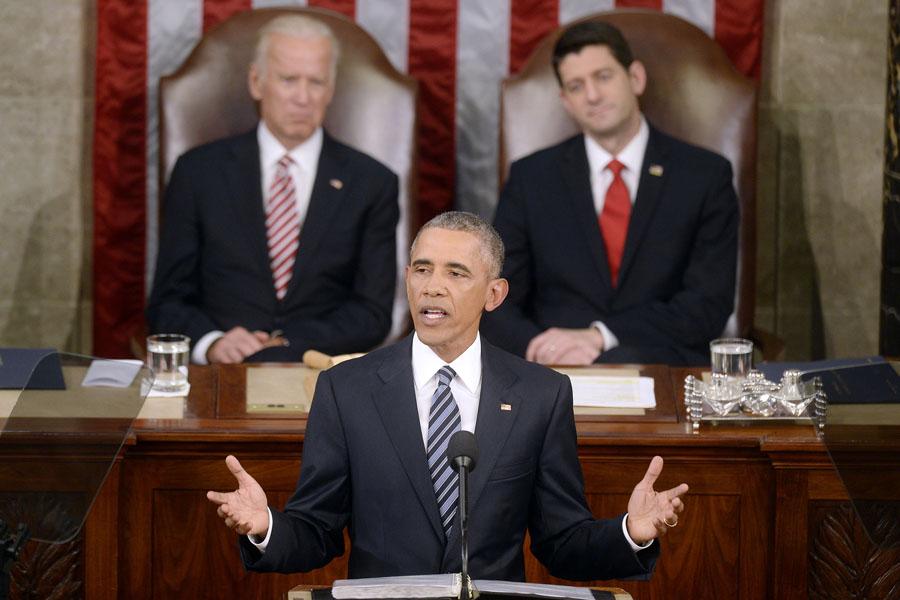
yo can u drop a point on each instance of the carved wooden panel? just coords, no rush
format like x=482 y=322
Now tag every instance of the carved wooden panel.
x=48 y=571
x=45 y=570
x=843 y=560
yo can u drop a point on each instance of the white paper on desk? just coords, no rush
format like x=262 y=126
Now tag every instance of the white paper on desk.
x=613 y=392
x=111 y=373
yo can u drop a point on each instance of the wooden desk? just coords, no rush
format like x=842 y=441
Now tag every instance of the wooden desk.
x=762 y=510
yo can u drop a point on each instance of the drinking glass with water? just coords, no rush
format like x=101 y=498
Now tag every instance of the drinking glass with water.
x=167 y=358
x=732 y=357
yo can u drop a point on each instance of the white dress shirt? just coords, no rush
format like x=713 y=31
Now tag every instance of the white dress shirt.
x=302 y=171
x=632 y=157
x=466 y=386
x=466 y=389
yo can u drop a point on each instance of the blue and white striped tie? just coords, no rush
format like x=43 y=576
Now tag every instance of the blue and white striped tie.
x=443 y=421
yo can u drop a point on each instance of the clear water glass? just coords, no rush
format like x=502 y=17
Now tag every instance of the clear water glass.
x=167 y=358
x=732 y=357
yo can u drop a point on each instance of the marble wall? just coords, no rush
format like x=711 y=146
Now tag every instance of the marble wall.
x=45 y=112
x=889 y=331
x=820 y=173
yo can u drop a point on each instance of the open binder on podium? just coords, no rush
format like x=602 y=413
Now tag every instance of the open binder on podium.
x=448 y=586
x=58 y=445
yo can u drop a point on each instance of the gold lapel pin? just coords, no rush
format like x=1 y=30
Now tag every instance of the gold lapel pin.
x=656 y=170
x=505 y=406
x=336 y=184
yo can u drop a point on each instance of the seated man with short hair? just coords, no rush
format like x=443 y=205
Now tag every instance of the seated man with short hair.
x=281 y=239
x=621 y=241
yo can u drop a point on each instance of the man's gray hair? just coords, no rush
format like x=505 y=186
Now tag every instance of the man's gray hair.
x=491 y=245
x=297 y=26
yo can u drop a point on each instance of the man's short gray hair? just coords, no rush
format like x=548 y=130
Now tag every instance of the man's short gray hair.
x=491 y=245
x=297 y=26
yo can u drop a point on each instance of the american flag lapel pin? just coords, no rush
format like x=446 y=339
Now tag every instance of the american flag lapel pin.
x=656 y=170
x=336 y=184
x=504 y=406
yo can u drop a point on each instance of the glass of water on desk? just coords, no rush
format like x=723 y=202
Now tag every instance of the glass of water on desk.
x=167 y=357
x=732 y=357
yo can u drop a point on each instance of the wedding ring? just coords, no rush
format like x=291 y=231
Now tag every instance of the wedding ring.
x=670 y=525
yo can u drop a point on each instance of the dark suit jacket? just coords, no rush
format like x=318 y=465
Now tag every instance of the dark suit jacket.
x=213 y=266
x=364 y=466
x=677 y=278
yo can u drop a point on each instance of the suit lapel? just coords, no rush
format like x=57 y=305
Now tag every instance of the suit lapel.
x=576 y=173
x=396 y=403
x=648 y=197
x=244 y=177
x=328 y=193
x=491 y=430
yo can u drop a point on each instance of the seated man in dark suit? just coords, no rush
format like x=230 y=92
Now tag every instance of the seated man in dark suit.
x=621 y=242
x=281 y=239
x=374 y=457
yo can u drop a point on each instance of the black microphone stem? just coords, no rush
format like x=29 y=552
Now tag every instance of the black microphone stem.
x=464 y=529
x=462 y=452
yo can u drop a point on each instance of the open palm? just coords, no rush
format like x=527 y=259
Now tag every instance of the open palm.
x=652 y=513
x=245 y=510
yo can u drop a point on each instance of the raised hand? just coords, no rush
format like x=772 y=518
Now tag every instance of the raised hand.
x=244 y=510
x=652 y=513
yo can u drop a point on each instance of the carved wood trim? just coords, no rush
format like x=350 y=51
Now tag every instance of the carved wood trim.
x=843 y=560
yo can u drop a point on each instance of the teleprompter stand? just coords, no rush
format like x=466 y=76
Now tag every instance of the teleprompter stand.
x=56 y=449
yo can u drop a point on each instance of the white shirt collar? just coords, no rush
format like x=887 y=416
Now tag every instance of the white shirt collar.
x=306 y=155
x=632 y=155
x=426 y=363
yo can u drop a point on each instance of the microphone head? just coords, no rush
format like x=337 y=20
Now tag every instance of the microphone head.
x=462 y=450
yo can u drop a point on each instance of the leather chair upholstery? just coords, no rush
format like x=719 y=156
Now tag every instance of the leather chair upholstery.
x=373 y=110
x=693 y=92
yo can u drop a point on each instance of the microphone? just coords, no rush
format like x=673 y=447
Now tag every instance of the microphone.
x=462 y=452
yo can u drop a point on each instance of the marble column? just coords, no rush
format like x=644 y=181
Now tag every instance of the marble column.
x=46 y=105
x=889 y=334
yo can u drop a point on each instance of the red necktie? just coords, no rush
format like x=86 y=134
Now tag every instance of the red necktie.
x=614 y=219
x=282 y=226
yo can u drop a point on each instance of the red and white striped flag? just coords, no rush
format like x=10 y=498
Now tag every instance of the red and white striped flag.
x=459 y=50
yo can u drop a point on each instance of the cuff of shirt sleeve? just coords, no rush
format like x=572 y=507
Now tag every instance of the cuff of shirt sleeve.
x=610 y=340
x=198 y=354
x=634 y=546
x=262 y=544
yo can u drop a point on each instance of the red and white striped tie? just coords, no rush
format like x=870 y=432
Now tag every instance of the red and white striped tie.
x=282 y=226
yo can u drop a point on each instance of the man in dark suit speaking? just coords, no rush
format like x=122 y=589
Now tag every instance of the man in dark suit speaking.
x=374 y=453
x=281 y=229
x=621 y=242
